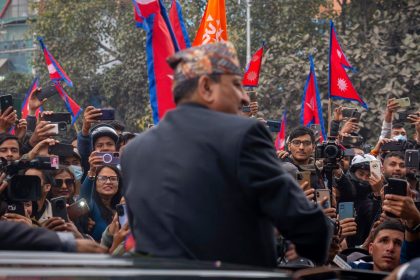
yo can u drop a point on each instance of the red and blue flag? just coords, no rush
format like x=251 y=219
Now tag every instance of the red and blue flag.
x=178 y=25
x=161 y=43
x=311 y=111
x=340 y=86
x=72 y=107
x=280 y=141
x=252 y=74
x=54 y=69
x=28 y=95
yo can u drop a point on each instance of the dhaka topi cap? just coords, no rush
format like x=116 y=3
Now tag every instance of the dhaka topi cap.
x=217 y=58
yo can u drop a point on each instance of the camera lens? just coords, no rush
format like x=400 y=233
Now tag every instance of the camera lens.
x=107 y=158
x=331 y=151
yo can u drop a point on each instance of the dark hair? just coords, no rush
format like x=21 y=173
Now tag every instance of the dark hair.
x=6 y=136
x=125 y=137
x=106 y=213
x=185 y=88
x=393 y=224
x=397 y=125
x=300 y=131
x=53 y=182
x=399 y=155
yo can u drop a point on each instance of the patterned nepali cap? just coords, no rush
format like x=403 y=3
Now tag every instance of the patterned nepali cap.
x=217 y=58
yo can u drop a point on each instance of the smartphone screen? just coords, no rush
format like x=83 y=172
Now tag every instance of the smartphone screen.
x=64 y=150
x=6 y=101
x=319 y=196
x=375 y=168
x=345 y=210
x=122 y=214
x=58 y=117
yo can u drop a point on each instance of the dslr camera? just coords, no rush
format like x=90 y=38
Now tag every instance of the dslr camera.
x=329 y=150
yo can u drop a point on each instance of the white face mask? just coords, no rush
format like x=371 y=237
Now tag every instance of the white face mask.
x=77 y=171
x=399 y=138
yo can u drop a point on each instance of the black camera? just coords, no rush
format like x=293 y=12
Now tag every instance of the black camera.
x=328 y=150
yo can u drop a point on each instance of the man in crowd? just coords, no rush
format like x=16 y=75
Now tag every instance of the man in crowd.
x=9 y=147
x=394 y=165
x=385 y=248
x=214 y=189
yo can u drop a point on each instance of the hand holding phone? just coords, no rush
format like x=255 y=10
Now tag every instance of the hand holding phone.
x=78 y=209
x=6 y=101
x=346 y=210
x=122 y=214
x=59 y=207
x=320 y=194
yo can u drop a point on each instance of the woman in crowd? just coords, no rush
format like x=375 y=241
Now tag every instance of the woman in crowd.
x=102 y=192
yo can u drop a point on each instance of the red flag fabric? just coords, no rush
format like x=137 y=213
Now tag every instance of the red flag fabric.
x=280 y=141
x=25 y=103
x=311 y=109
x=54 y=69
x=178 y=25
x=340 y=86
x=252 y=74
x=160 y=45
x=72 y=107
x=213 y=27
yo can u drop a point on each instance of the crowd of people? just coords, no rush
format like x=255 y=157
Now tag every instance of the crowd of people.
x=207 y=184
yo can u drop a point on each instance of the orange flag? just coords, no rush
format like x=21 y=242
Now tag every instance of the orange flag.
x=213 y=24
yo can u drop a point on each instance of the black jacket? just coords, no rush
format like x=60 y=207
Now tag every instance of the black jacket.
x=207 y=185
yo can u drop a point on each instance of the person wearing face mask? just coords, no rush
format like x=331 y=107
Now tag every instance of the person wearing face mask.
x=367 y=199
x=73 y=163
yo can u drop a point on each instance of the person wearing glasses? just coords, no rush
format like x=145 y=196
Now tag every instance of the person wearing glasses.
x=63 y=185
x=102 y=193
x=301 y=146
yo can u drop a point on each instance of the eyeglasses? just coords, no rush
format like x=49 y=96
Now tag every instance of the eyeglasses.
x=59 y=182
x=103 y=179
x=297 y=143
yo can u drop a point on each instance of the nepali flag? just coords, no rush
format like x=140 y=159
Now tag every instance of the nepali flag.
x=281 y=135
x=178 y=25
x=72 y=107
x=160 y=44
x=339 y=84
x=54 y=69
x=28 y=95
x=311 y=111
x=252 y=74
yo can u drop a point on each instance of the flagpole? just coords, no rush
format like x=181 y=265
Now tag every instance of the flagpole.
x=248 y=30
x=329 y=116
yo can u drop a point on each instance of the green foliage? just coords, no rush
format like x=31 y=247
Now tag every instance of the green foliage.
x=103 y=52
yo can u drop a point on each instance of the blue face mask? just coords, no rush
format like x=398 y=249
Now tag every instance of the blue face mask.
x=399 y=138
x=77 y=171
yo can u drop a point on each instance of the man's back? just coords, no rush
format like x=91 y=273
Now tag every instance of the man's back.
x=206 y=185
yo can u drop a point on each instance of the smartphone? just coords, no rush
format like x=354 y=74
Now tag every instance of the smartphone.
x=393 y=146
x=78 y=209
x=346 y=210
x=6 y=101
x=110 y=157
x=396 y=186
x=403 y=116
x=59 y=149
x=348 y=112
x=273 y=126
x=107 y=115
x=17 y=106
x=53 y=131
x=122 y=214
x=353 y=141
x=375 y=168
x=412 y=159
x=304 y=176
x=46 y=92
x=403 y=102
x=58 y=117
x=356 y=115
x=252 y=96
x=316 y=128
x=246 y=109
x=16 y=207
x=320 y=194
x=59 y=207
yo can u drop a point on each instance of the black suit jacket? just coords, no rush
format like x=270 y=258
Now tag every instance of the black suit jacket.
x=17 y=236
x=207 y=185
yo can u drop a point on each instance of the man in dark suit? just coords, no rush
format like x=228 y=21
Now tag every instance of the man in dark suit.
x=205 y=184
x=18 y=236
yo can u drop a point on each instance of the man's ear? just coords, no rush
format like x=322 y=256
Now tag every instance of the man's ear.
x=47 y=187
x=370 y=248
x=205 y=89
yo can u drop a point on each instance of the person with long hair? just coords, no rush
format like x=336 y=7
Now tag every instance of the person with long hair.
x=103 y=193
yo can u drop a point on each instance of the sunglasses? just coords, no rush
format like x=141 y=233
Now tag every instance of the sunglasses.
x=68 y=182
